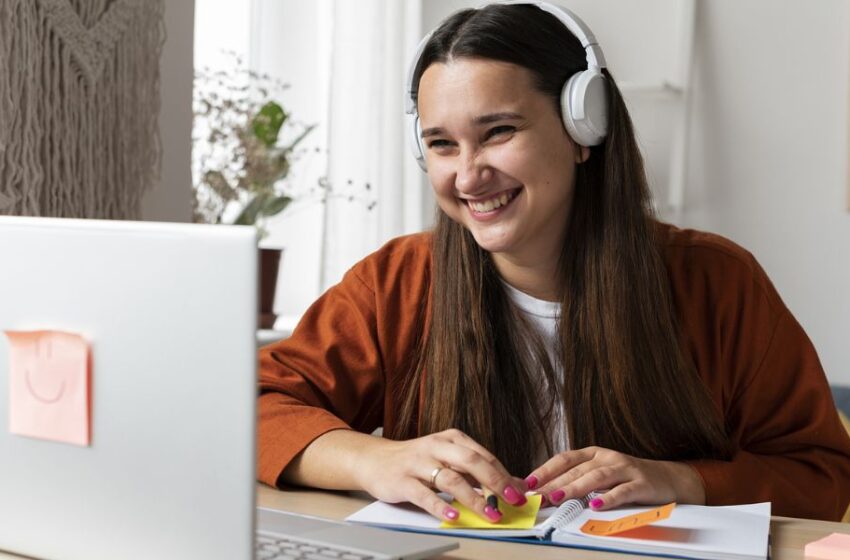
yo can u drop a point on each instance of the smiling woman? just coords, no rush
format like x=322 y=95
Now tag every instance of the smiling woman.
x=549 y=334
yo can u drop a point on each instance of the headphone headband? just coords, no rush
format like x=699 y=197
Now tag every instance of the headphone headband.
x=595 y=56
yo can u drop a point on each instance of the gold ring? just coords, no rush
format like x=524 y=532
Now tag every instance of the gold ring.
x=434 y=474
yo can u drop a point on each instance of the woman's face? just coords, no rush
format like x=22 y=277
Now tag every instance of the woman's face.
x=499 y=159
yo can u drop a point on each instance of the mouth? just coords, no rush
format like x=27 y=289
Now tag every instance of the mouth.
x=493 y=204
x=41 y=396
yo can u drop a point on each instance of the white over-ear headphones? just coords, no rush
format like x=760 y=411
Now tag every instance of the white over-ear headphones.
x=584 y=98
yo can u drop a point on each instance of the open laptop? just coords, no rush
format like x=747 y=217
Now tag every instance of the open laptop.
x=127 y=395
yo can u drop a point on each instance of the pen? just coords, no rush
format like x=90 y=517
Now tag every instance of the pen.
x=491 y=498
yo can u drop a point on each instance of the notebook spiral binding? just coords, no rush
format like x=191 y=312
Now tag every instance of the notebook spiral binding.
x=567 y=511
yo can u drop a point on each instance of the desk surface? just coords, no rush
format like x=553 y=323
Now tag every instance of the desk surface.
x=789 y=535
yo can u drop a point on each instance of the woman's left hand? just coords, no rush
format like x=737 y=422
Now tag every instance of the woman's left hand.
x=623 y=479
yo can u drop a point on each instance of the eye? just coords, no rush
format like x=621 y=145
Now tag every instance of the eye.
x=438 y=143
x=501 y=130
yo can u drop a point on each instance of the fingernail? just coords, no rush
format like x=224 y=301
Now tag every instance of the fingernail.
x=557 y=496
x=492 y=514
x=544 y=501
x=596 y=503
x=451 y=513
x=531 y=481
x=513 y=497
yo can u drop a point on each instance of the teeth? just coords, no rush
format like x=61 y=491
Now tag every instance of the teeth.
x=490 y=205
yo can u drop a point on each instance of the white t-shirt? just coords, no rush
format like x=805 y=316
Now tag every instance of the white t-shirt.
x=544 y=316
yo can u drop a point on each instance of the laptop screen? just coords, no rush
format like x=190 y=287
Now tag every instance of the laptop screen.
x=127 y=389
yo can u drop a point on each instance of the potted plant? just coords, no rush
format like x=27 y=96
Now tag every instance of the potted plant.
x=244 y=146
x=241 y=163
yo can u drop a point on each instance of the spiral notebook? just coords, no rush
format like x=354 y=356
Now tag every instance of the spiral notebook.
x=703 y=532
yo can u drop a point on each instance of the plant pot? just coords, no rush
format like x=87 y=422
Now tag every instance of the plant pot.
x=269 y=263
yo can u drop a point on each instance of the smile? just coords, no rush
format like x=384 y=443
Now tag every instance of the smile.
x=40 y=396
x=493 y=204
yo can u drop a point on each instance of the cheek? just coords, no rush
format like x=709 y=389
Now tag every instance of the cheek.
x=528 y=161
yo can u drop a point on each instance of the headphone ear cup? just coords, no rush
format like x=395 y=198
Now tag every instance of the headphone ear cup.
x=584 y=106
x=414 y=139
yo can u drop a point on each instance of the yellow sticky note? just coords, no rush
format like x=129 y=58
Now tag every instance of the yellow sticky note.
x=601 y=528
x=49 y=383
x=513 y=517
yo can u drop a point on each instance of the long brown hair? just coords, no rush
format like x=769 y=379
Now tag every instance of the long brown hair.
x=627 y=382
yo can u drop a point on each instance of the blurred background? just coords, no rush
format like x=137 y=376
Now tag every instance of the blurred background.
x=740 y=107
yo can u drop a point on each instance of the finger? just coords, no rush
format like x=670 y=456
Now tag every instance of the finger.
x=460 y=438
x=515 y=481
x=556 y=466
x=422 y=496
x=489 y=473
x=454 y=483
x=565 y=478
x=600 y=477
x=622 y=494
x=601 y=458
x=463 y=439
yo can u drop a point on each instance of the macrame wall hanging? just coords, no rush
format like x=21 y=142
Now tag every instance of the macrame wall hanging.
x=79 y=106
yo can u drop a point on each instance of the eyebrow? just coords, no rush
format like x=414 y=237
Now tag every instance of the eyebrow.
x=478 y=121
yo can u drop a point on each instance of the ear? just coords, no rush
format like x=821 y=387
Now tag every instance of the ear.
x=582 y=153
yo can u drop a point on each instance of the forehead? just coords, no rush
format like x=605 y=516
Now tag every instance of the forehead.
x=475 y=86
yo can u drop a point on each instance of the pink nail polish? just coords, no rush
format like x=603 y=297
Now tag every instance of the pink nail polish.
x=596 y=503
x=513 y=497
x=531 y=481
x=492 y=514
x=451 y=513
x=556 y=496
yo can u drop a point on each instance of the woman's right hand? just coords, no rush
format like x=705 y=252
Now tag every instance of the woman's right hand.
x=398 y=471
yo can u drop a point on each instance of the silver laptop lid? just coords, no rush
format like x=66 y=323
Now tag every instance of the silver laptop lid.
x=167 y=313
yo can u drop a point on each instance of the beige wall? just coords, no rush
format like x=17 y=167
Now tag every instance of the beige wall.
x=769 y=153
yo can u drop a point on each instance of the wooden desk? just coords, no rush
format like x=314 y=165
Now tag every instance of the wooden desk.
x=789 y=535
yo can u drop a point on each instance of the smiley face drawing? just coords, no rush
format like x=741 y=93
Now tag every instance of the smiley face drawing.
x=49 y=386
x=44 y=388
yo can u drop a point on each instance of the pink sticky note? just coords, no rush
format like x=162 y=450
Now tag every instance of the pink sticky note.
x=49 y=385
x=834 y=547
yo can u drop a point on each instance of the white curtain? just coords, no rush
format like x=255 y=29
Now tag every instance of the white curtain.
x=345 y=62
x=372 y=41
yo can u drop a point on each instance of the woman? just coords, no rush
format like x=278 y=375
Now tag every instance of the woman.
x=549 y=334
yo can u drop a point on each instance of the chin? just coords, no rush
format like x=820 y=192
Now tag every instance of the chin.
x=490 y=244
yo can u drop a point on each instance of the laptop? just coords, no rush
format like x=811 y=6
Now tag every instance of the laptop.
x=127 y=396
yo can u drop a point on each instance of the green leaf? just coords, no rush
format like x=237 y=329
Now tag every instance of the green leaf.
x=267 y=122
x=275 y=206
x=249 y=214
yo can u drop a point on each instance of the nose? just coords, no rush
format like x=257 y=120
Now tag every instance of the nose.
x=472 y=173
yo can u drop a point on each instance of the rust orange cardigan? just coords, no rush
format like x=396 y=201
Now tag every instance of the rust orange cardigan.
x=341 y=365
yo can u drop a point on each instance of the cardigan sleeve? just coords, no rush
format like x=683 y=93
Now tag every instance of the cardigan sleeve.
x=328 y=375
x=791 y=447
x=788 y=444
